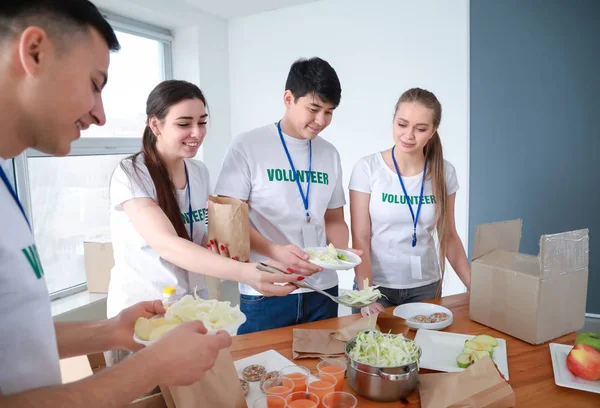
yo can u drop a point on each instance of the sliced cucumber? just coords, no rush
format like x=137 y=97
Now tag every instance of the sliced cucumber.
x=478 y=355
x=464 y=360
x=486 y=339
x=473 y=345
x=476 y=349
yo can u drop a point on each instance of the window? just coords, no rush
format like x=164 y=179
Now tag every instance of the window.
x=69 y=203
x=137 y=68
x=66 y=198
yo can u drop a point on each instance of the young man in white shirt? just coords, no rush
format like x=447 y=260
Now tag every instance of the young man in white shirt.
x=54 y=57
x=292 y=181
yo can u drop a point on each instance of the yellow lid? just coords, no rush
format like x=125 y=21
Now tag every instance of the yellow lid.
x=169 y=290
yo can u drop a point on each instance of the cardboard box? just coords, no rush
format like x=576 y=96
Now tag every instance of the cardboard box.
x=76 y=368
x=99 y=261
x=532 y=298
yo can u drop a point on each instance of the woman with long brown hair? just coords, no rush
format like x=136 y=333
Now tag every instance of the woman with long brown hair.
x=400 y=199
x=158 y=203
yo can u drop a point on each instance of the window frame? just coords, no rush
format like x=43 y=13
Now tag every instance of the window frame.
x=97 y=145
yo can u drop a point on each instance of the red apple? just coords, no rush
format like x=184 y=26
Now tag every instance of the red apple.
x=584 y=362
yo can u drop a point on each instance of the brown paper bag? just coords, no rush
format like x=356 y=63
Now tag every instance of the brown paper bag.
x=331 y=343
x=479 y=386
x=228 y=224
x=220 y=387
x=316 y=343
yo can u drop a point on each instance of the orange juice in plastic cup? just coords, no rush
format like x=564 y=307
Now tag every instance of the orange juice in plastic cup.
x=279 y=386
x=298 y=375
x=337 y=368
x=302 y=404
x=321 y=384
x=273 y=402
x=302 y=400
x=269 y=401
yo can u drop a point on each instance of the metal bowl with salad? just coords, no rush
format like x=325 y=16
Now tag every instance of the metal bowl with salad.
x=383 y=367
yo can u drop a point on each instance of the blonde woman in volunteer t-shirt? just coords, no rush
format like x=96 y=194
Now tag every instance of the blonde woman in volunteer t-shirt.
x=399 y=199
x=158 y=210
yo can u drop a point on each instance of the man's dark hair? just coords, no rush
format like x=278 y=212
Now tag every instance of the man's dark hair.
x=60 y=18
x=314 y=76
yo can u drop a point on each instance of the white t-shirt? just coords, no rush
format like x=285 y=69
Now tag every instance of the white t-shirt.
x=140 y=273
x=395 y=263
x=257 y=169
x=28 y=350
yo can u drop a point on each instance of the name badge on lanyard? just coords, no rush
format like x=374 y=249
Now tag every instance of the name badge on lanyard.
x=309 y=231
x=414 y=218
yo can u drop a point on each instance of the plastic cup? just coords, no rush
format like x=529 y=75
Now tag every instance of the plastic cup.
x=340 y=400
x=302 y=400
x=337 y=368
x=269 y=401
x=298 y=374
x=321 y=384
x=279 y=386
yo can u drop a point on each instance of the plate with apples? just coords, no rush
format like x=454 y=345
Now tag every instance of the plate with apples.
x=578 y=366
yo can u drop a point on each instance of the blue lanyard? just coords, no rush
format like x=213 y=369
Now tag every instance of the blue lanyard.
x=187 y=179
x=13 y=194
x=415 y=219
x=287 y=152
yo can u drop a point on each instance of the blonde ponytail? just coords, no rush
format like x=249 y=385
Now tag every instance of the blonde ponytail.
x=436 y=173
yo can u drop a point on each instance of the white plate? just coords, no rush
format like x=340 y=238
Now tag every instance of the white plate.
x=408 y=310
x=231 y=329
x=271 y=360
x=440 y=350
x=353 y=259
x=562 y=375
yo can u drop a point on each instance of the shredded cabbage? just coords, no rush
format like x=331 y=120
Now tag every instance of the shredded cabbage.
x=213 y=314
x=384 y=350
x=366 y=296
x=330 y=257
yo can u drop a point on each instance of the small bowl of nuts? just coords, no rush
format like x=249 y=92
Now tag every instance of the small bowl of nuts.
x=424 y=316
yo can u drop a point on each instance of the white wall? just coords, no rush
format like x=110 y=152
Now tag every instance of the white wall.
x=379 y=49
x=200 y=55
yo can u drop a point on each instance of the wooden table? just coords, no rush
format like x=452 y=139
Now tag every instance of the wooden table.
x=530 y=367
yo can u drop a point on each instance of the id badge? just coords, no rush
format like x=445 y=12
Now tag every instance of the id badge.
x=309 y=235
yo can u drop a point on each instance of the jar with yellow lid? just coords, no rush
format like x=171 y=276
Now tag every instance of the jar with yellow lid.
x=169 y=296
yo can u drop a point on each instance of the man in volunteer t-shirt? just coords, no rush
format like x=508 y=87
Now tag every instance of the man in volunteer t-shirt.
x=292 y=181
x=54 y=57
